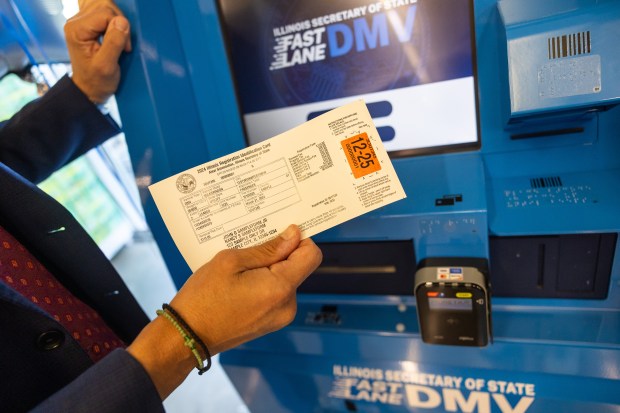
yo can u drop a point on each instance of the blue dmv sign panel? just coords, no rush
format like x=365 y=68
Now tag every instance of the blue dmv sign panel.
x=419 y=390
x=312 y=383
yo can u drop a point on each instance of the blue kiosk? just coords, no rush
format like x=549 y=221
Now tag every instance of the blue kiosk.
x=502 y=121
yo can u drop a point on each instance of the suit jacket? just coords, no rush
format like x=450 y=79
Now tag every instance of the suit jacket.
x=42 y=137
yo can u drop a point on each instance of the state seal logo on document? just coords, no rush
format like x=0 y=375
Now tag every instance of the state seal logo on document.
x=186 y=183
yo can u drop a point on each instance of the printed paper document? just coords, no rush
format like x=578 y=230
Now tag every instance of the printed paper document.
x=317 y=175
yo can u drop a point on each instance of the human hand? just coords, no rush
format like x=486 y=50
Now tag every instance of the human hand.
x=95 y=64
x=242 y=294
x=237 y=296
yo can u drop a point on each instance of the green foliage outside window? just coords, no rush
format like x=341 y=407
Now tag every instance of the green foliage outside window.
x=79 y=189
x=15 y=94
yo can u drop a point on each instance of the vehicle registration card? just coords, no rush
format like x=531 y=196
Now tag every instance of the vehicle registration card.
x=317 y=175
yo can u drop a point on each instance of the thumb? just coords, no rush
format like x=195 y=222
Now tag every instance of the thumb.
x=116 y=39
x=270 y=252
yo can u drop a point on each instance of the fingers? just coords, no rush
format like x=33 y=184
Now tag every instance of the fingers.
x=284 y=314
x=290 y=260
x=87 y=27
x=96 y=71
x=243 y=294
x=268 y=253
x=89 y=24
x=300 y=264
x=116 y=40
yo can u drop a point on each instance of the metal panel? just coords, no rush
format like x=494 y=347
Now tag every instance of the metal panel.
x=363 y=353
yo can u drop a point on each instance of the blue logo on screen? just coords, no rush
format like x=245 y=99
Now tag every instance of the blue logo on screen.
x=305 y=42
x=341 y=37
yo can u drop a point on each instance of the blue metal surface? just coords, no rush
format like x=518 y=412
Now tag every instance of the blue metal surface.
x=293 y=372
x=31 y=33
x=453 y=230
x=561 y=55
x=549 y=355
x=175 y=100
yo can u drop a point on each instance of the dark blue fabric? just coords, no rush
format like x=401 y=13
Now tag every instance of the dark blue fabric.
x=118 y=383
x=41 y=138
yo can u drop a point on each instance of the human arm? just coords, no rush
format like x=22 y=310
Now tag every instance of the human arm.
x=118 y=383
x=159 y=353
x=95 y=63
x=238 y=296
x=52 y=131
x=65 y=123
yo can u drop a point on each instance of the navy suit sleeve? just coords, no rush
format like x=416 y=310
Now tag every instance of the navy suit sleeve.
x=118 y=383
x=53 y=130
x=44 y=136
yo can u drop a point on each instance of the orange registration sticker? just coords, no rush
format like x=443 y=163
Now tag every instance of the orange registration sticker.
x=361 y=155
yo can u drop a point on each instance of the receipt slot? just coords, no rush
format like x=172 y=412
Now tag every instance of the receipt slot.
x=453 y=303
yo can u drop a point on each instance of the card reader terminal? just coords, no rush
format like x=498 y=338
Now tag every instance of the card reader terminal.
x=453 y=305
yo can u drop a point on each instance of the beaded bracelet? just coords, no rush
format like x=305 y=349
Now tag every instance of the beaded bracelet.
x=189 y=336
x=191 y=332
